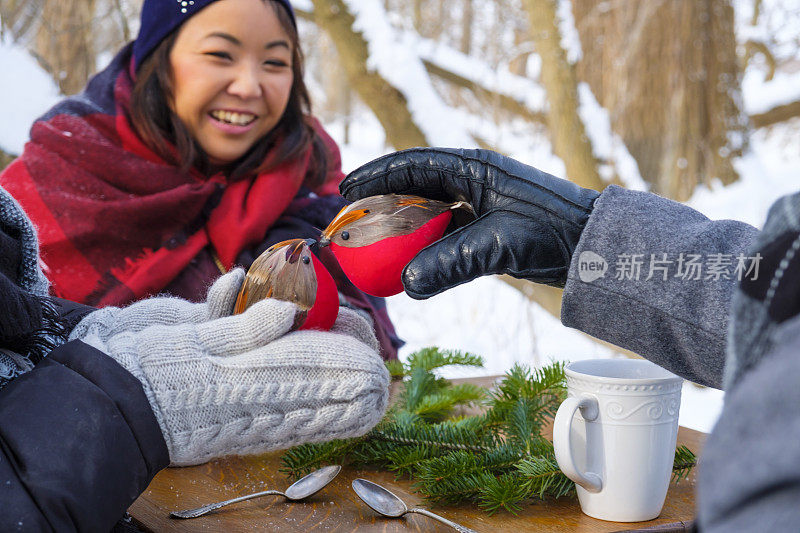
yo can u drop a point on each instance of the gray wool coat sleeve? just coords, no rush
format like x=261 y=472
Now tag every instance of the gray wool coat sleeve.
x=651 y=299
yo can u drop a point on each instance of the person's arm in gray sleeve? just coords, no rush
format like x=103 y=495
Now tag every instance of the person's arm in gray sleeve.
x=529 y=224
x=659 y=295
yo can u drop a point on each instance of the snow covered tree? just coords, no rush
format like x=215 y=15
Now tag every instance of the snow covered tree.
x=386 y=101
x=668 y=74
x=567 y=130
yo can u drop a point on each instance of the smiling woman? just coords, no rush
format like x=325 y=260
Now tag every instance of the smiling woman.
x=232 y=76
x=231 y=87
x=191 y=153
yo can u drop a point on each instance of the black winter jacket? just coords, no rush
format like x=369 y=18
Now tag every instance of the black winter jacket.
x=78 y=443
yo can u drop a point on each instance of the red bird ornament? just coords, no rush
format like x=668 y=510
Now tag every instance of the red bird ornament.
x=290 y=271
x=376 y=237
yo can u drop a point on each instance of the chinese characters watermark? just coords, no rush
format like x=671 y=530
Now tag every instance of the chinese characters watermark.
x=663 y=266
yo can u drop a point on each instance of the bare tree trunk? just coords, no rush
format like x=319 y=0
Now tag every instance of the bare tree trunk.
x=567 y=131
x=386 y=102
x=667 y=72
x=481 y=92
x=419 y=18
x=466 y=27
x=347 y=109
x=18 y=16
x=64 y=42
x=442 y=20
x=519 y=64
x=123 y=21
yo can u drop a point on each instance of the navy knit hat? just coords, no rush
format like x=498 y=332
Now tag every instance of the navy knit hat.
x=161 y=17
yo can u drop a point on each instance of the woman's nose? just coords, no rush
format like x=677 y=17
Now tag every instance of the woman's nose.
x=246 y=83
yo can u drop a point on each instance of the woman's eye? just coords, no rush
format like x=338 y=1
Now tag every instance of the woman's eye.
x=221 y=55
x=276 y=63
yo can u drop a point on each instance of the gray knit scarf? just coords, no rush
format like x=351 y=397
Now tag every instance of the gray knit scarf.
x=18 y=359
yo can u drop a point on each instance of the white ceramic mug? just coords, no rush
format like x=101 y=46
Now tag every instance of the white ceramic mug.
x=615 y=436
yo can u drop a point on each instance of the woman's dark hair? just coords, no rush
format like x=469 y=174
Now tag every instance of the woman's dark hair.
x=160 y=128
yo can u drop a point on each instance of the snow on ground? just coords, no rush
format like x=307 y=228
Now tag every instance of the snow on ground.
x=27 y=92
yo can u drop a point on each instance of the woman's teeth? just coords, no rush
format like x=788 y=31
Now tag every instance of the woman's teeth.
x=239 y=119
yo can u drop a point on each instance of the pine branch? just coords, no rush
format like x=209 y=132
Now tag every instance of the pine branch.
x=422 y=383
x=395 y=368
x=439 y=405
x=498 y=458
x=452 y=477
x=462 y=462
x=301 y=460
x=433 y=357
x=453 y=490
x=523 y=424
x=406 y=459
x=685 y=460
x=445 y=436
x=542 y=477
x=543 y=390
x=502 y=492
x=375 y=452
x=402 y=418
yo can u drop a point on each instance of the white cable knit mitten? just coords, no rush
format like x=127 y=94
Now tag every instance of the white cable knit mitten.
x=353 y=323
x=242 y=385
x=164 y=310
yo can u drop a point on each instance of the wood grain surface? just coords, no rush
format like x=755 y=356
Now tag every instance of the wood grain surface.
x=337 y=508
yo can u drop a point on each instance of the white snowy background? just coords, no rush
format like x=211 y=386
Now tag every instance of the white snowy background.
x=487 y=316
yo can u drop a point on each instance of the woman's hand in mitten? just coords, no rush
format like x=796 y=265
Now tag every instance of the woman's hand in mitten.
x=357 y=324
x=162 y=310
x=243 y=384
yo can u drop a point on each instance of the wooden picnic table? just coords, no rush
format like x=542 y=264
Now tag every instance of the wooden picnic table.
x=337 y=508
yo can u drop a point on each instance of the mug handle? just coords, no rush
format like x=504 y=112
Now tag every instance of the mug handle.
x=562 y=427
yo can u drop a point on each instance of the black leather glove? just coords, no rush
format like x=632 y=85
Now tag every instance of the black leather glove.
x=527 y=222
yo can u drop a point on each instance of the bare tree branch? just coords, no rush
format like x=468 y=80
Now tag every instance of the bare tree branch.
x=123 y=20
x=506 y=102
x=550 y=300
x=567 y=130
x=386 y=101
x=777 y=114
x=751 y=48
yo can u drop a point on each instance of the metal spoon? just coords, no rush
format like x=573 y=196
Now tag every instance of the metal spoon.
x=388 y=504
x=299 y=490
